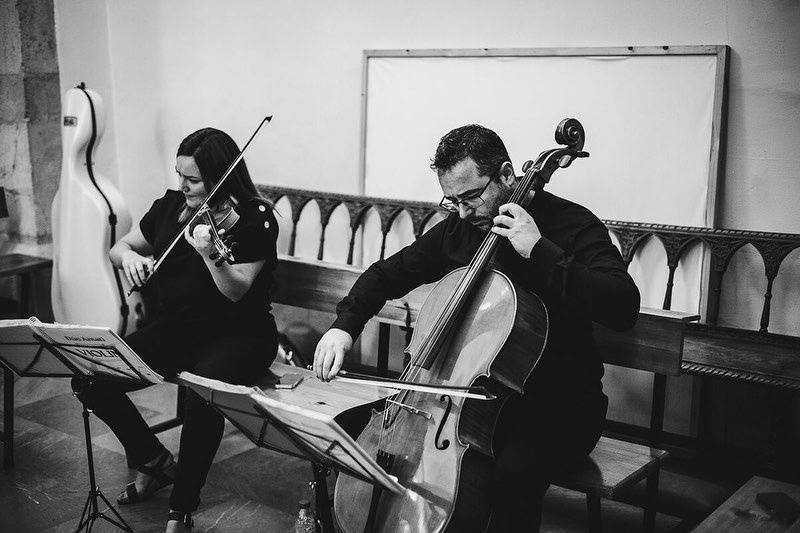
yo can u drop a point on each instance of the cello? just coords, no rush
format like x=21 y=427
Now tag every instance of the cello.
x=88 y=215
x=476 y=328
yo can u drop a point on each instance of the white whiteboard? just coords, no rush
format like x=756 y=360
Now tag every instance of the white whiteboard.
x=649 y=121
x=653 y=119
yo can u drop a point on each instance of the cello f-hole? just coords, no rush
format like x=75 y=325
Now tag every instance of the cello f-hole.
x=446 y=442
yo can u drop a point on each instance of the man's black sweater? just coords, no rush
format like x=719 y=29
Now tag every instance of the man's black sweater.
x=574 y=268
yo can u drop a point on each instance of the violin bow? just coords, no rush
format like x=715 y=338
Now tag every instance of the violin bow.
x=202 y=206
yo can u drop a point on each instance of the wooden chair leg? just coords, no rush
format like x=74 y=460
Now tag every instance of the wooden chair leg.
x=595 y=519
x=8 y=418
x=384 y=332
x=180 y=411
x=651 y=503
x=180 y=404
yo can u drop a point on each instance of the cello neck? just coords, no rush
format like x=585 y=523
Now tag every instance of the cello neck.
x=432 y=344
x=570 y=133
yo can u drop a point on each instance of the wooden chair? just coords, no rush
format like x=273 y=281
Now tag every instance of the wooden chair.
x=655 y=345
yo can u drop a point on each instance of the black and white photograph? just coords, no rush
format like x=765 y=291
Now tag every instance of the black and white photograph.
x=375 y=266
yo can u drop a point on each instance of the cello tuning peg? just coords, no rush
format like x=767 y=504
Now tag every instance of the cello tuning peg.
x=526 y=165
x=213 y=256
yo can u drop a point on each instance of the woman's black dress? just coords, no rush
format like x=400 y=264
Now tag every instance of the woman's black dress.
x=199 y=330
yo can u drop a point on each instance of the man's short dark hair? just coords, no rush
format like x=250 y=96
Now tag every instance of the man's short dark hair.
x=481 y=144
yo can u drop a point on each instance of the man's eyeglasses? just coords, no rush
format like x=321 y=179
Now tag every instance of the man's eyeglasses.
x=473 y=201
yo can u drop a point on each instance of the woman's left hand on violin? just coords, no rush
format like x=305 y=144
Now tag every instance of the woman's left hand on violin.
x=200 y=239
x=518 y=226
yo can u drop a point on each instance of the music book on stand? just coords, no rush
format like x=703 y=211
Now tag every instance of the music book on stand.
x=284 y=420
x=31 y=348
x=77 y=350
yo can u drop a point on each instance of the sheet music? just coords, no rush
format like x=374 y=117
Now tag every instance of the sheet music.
x=235 y=403
x=18 y=349
x=92 y=349
x=317 y=430
x=321 y=432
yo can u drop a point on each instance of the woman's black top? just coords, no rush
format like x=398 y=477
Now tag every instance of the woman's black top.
x=186 y=290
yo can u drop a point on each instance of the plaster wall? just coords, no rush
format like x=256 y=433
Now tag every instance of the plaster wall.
x=174 y=66
x=168 y=68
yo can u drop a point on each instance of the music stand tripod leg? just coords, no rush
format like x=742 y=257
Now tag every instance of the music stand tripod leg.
x=8 y=418
x=87 y=520
x=321 y=495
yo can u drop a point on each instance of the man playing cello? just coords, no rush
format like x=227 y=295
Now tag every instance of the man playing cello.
x=555 y=248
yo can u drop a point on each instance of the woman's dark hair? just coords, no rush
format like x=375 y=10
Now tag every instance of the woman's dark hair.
x=481 y=144
x=213 y=151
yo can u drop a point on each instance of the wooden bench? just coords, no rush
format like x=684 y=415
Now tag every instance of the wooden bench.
x=741 y=513
x=654 y=344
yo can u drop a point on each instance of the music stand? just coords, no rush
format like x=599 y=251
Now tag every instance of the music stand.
x=80 y=352
x=282 y=421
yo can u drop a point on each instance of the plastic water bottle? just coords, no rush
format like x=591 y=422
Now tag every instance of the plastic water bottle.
x=305 y=522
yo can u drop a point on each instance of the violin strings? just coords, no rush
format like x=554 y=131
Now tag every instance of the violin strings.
x=214 y=189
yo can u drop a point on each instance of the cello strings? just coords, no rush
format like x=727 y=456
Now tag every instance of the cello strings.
x=447 y=316
x=445 y=319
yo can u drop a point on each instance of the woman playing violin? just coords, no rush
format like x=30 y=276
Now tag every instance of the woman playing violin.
x=213 y=318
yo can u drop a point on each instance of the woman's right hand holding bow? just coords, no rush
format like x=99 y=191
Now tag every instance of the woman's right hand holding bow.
x=136 y=267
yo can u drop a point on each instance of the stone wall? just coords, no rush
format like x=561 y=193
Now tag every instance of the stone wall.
x=30 y=114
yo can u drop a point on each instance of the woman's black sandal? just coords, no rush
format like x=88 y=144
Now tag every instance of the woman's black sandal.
x=160 y=474
x=183 y=518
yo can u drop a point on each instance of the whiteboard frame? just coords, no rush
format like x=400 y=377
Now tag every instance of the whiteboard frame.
x=718 y=127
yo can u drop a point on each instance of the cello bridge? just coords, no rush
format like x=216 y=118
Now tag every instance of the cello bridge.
x=411 y=409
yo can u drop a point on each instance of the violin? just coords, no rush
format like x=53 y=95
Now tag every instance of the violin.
x=220 y=221
x=477 y=328
x=225 y=249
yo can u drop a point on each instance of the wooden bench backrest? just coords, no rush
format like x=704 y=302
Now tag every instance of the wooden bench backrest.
x=701 y=354
x=655 y=344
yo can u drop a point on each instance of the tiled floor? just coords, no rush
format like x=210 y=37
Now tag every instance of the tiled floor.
x=248 y=488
